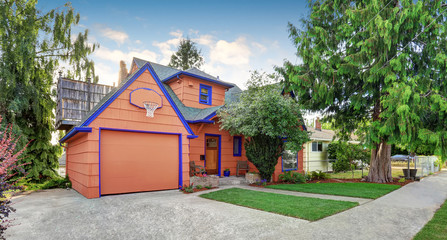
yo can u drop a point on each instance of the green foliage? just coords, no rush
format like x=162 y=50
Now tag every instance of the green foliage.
x=402 y=180
x=314 y=175
x=32 y=46
x=187 y=56
x=292 y=177
x=208 y=187
x=199 y=187
x=57 y=182
x=347 y=154
x=264 y=117
x=376 y=67
x=188 y=189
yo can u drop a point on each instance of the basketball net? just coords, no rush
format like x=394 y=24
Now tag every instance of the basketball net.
x=150 y=108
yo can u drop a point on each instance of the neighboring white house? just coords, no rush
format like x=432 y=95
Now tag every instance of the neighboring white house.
x=315 y=152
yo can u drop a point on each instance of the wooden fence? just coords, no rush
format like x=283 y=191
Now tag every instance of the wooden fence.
x=75 y=99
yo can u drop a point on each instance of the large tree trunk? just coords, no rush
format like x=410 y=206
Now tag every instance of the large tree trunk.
x=380 y=166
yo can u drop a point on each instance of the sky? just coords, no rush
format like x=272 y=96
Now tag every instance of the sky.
x=235 y=37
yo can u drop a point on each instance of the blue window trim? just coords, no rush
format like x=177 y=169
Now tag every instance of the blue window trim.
x=209 y=95
x=180 y=152
x=218 y=152
x=239 y=146
x=291 y=169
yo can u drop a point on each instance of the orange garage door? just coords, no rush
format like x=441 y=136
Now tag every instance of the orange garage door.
x=136 y=162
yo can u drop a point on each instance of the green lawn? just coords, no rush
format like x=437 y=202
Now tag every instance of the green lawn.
x=301 y=207
x=437 y=227
x=362 y=190
x=358 y=174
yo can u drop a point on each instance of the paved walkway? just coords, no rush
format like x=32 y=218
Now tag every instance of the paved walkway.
x=65 y=214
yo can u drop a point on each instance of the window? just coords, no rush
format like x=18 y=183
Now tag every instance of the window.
x=237 y=146
x=289 y=160
x=205 y=94
x=317 y=146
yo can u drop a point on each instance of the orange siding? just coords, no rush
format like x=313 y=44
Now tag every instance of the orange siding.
x=121 y=114
x=187 y=90
x=197 y=148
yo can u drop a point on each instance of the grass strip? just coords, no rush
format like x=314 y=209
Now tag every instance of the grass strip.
x=361 y=190
x=436 y=228
x=300 y=207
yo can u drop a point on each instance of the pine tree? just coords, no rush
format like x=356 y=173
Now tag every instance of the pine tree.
x=32 y=44
x=378 y=66
x=187 y=56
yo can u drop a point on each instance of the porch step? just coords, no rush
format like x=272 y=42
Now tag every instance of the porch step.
x=232 y=180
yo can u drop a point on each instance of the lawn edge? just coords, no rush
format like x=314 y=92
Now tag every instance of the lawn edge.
x=358 y=204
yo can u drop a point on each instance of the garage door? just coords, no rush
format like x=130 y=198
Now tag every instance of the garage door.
x=136 y=162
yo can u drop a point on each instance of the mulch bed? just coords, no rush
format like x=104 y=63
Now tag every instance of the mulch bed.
x=336 y=180
x=198 y=190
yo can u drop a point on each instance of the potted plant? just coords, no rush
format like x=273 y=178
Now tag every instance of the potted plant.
x=227 y=172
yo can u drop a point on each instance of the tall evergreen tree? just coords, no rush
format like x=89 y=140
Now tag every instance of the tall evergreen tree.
x=380 y=66
x=187 y=56
x=32 y=44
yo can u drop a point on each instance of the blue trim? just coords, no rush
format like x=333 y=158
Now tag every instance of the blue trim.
x=209 y=95
x=292 y=94
x=210 y=116
x=219 y=152
x=99 y=162
x=239 y=146
x=180 y=162
x=291 y=169
x=148 y=67
x=75 y=131
x=196 y=76
x=192 y=136
x=180 y=177
x=130 y=97
x=199 y=121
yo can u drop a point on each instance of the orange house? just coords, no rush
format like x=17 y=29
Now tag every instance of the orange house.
x=118 y=149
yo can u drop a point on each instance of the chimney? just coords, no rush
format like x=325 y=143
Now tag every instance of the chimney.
x=123 y=72
x=317 y=124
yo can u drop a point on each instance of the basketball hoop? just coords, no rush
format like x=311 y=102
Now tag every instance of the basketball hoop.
x=150 y=108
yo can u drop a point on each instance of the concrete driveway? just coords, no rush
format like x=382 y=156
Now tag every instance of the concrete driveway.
x=65 y=214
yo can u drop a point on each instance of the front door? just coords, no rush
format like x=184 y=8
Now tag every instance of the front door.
x=212 y=154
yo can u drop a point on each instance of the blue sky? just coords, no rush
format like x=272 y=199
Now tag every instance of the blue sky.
x=234 y=36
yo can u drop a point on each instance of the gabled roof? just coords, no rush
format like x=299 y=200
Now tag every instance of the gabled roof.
x=186 y=114
x=324 y=134
x=166 y=73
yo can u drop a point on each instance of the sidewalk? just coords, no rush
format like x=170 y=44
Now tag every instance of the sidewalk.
x=398 y=215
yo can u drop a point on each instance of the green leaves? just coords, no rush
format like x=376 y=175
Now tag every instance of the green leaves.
x=32 y=46
x=391 y=69
x=187 y=56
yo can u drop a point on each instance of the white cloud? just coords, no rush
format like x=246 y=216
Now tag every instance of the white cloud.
x=231 y=53
x=259 y=46
x=117 y=36
x=137 y=41
x=107 y=67
x=167 y=48
x=177 y=34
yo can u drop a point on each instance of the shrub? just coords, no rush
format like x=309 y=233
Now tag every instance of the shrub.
x=9 y=167
x=57 y=182
x=402 y=180
x=208 y=187
x=292 y=177
x=199 y=187
x=188 y=189
x=318 y=175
